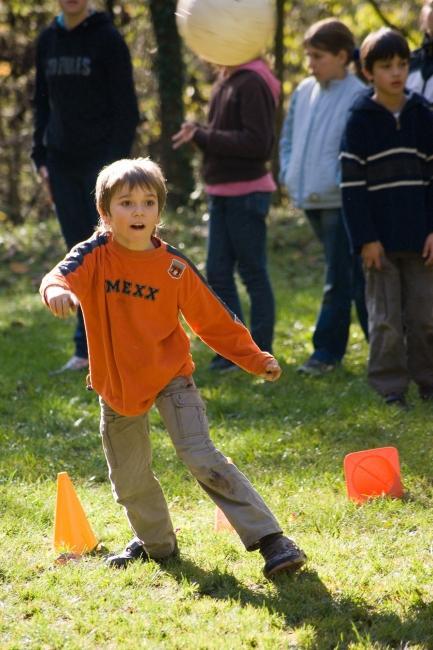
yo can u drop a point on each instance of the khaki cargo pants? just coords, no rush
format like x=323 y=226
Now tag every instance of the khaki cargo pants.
x=128 y=452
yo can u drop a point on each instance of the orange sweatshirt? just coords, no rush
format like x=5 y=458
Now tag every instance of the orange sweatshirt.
x=131 y=302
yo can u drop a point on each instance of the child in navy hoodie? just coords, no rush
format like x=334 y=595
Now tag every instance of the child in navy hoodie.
x=387 y=166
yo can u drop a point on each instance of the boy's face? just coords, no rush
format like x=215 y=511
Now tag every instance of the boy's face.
x=133 y=216
x=74 y=8
x=389 y=76
x=324 y=65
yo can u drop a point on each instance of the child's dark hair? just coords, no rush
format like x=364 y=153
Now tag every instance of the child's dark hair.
x=141 y=172
x=331 y=35
x=382 y=45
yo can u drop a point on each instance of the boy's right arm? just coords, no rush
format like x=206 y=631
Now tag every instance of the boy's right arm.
x=353 y=160
x=68 y=282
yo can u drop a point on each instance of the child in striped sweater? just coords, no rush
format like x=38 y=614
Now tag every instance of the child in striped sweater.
x=387 y=168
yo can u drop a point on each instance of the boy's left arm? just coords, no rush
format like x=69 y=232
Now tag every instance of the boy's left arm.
x=220 y=329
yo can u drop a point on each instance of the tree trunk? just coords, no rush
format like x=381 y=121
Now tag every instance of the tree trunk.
x=170 y=72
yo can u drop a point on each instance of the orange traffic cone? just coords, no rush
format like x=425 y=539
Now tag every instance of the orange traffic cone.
x=71 y=528
x=372 y=473
x=221 y=521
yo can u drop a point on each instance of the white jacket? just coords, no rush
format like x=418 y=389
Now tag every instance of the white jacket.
x=310 y=141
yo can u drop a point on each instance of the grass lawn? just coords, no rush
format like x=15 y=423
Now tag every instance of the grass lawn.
x=369 y=579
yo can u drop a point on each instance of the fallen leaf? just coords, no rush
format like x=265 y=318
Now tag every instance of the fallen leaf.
x=18 y=267
x=64 y=558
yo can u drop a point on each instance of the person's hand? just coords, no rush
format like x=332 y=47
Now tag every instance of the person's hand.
x=45 y=178
x=372 y=255
x=61 y=302
x=272 y=370
x=184 y=135
x=427 y=251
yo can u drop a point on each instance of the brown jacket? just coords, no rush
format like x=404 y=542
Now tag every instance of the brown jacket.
x=238 y=140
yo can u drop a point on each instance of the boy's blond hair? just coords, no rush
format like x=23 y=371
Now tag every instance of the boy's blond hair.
x=142 y=172
x=331 y=35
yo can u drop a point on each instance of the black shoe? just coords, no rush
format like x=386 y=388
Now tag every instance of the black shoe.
x=396 y=399
x=281 y=556
x=134 y=551
x=222 y=365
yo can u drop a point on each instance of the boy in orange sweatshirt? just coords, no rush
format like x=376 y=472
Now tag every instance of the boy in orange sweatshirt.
x=131 y=287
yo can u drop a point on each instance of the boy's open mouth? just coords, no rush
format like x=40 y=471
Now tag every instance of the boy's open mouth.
x=138 y=226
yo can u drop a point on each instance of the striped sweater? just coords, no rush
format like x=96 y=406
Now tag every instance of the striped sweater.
x=131 y=302
x=387 y=169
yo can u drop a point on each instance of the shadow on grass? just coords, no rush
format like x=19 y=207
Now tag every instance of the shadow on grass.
x=303 y=600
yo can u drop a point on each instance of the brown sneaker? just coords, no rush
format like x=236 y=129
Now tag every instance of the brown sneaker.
x=281 y=555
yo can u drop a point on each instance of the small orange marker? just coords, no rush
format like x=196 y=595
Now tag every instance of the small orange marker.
x=71 y=528
x=373 y=473
x=221 y=521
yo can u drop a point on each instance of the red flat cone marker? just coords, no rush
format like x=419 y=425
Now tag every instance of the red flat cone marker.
x=221 y=521
x=372 y=473
x=71 y=529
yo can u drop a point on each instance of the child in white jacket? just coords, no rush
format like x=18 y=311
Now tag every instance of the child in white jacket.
x=309 y=163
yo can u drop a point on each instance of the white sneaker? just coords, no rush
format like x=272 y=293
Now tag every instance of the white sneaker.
x=74 y=363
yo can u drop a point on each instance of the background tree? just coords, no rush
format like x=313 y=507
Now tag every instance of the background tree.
x=170 y=72
x=169 y=81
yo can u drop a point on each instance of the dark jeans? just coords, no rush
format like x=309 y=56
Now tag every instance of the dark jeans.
x=73 y=193
x=237 y=242
x=344 y=282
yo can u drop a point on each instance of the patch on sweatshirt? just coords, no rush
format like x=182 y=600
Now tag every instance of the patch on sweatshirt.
x=176 y=269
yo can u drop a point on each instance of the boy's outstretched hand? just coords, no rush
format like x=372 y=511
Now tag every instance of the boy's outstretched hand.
x=272 y=370
x=61 y=302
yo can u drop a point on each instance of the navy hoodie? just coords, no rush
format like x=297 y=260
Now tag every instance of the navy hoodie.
x=387 y=168
x=85 y=106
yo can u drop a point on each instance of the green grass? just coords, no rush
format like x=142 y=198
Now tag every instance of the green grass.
x=369 y=579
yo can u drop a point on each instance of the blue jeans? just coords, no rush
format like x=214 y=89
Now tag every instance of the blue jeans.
x=344 y=282
x=237 y=242
x=73 y=193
